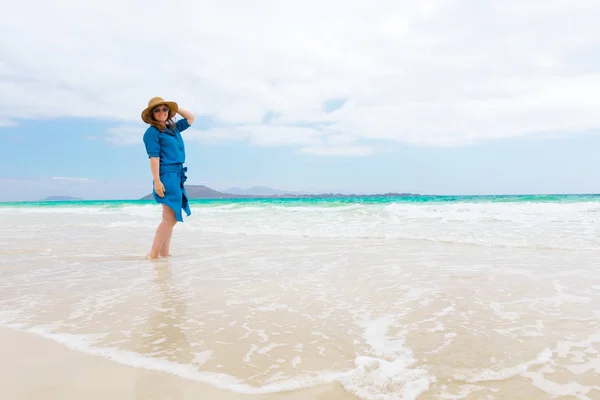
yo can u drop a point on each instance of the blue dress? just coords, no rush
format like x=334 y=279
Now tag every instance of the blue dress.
x=169 y=147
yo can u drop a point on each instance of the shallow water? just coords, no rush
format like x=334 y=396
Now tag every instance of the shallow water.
x=394 y=299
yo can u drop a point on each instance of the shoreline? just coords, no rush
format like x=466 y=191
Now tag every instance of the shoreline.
x=37 y=368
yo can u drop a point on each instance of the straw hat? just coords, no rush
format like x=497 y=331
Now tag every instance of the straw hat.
x=155 y=101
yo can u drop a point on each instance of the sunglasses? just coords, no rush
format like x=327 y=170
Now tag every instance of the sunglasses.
x=158 y=109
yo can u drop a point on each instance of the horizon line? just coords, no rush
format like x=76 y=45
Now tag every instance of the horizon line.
x=292 y=196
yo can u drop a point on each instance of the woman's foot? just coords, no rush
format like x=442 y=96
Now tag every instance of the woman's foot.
x=150 y=257
x=164 y=255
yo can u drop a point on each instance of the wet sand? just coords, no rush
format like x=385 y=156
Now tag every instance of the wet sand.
x=35 y=368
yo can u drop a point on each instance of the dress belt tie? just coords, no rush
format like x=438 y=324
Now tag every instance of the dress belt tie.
x=178 y=168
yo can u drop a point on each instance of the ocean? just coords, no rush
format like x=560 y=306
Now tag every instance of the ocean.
x=429 y=297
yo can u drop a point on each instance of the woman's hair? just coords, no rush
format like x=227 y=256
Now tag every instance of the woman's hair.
x=169 y=122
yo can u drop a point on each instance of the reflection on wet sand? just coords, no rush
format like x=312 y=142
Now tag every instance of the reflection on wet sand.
x=162 y=336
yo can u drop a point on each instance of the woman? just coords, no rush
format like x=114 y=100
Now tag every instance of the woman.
x=166 y=152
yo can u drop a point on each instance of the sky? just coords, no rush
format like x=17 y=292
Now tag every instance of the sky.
x=427 y=96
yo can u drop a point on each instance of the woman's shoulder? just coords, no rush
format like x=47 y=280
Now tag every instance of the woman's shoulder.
x=151 y=130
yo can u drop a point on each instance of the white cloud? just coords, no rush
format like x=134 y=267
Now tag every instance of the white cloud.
x=257 y=134
x=213 y=136
x=126 y=134
x=338 y=150
x=65 y=178
x=433 y=72
x=32 y=189
x=7 y=123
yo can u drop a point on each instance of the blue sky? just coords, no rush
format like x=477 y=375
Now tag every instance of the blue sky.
x=425 y=97
x=74 y=157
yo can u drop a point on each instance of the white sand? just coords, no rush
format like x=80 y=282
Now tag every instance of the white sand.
x=35 y=368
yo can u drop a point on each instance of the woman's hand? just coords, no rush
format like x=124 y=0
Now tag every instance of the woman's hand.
x=159 y=188
x=186 y=114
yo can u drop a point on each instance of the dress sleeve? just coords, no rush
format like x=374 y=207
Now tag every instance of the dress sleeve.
x=182 y=125
x=151 y=142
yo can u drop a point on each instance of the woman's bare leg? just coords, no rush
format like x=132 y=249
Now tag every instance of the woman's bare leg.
x=164 y=250
x=163 y=233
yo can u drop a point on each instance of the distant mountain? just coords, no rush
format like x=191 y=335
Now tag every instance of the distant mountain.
x=60 y=198
x=201 y=192
x=256 y=191
x=204 y=192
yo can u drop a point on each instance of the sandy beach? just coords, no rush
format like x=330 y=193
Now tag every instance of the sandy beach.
x=35 y=368
x=302 y=302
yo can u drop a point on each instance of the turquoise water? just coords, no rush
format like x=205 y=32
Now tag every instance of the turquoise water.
x=333 y=201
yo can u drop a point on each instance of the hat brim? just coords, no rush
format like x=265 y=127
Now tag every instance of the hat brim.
x=173 y=107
